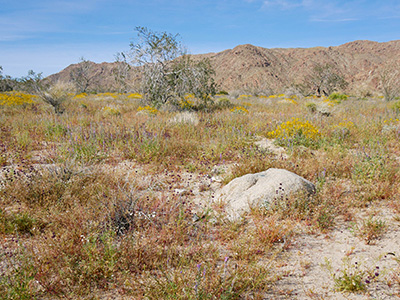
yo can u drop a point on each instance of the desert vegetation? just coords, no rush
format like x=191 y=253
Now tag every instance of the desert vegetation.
x=115 y=198
x=111 y=195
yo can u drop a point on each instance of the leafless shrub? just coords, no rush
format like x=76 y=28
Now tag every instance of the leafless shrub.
x=390 y=81
x=168 y=73
x=323 y=79
x=54 y=95
x=83 y=75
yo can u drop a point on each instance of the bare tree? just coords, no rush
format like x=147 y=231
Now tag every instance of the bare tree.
x=167 y=72
x=194 y=77
x=121 y=72
x=6 y=82
x=390 y=81
x=83 y=75
x=324 y=79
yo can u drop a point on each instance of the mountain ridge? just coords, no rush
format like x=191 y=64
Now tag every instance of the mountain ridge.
x=249 y=67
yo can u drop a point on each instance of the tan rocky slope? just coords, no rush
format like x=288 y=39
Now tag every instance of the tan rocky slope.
x=248 y=67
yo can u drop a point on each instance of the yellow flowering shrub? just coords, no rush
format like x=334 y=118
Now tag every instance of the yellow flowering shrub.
x=81 y=96
x=111 y=111
x=342 y=129
x=109 y=95
x=391 y=126
x=347 y=124
x=335 y=98
x=16 y=99
x=241 y=97
x=296 y=132
x=290 y=100
x=239 y=110
x=188 y=96
x=148 y=110
x=391 y=121
x=135 y=96
x=186 y=104
x=330 y=102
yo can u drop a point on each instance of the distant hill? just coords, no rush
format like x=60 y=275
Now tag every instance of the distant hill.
x=248 y=67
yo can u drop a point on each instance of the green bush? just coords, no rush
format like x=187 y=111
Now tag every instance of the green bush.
x=338 y=96
x=312 y=107
x=396 y=107
x=16 y=223
x=222 y=93
x=224 y=103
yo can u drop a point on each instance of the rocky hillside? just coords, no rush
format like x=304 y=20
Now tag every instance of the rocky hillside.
x=253 y=68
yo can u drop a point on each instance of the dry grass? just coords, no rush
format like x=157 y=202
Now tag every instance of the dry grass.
x=73 y=224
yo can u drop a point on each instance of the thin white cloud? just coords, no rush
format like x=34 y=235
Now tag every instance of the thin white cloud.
x=12 y=37
x=334 y=20
x=283 y=4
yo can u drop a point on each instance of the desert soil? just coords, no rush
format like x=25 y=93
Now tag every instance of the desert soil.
x=307 y=265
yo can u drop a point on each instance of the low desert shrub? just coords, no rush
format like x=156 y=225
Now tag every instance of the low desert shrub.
x=370 y=229
x=17 y=223
x=338 y=96
x=240 y=110
x=353 y=277
x=395 y=106
x=110 y=111
x=311 y=107
x=224 y=103
x=16 y=99
x=296 y=132
x=148 y=110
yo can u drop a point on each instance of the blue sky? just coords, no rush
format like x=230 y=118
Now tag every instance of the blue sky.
x=48 y=35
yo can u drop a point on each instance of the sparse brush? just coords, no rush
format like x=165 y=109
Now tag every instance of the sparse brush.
x=311 y=106
x=370 y=229
x=17 y=223
x=223 y=103
x=353 y=277
x=396 y=107
x=338 y=96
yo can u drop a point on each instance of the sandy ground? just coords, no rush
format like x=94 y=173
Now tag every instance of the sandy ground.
x=307 y=275
x=307 y=268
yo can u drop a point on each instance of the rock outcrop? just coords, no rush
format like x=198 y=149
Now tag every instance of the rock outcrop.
x=260 y=189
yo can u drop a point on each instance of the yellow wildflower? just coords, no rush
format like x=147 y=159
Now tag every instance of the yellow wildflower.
x=240 y=110
x=16 y=99
x=147 y=110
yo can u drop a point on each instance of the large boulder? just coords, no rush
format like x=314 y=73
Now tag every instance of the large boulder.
x=260 y=189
